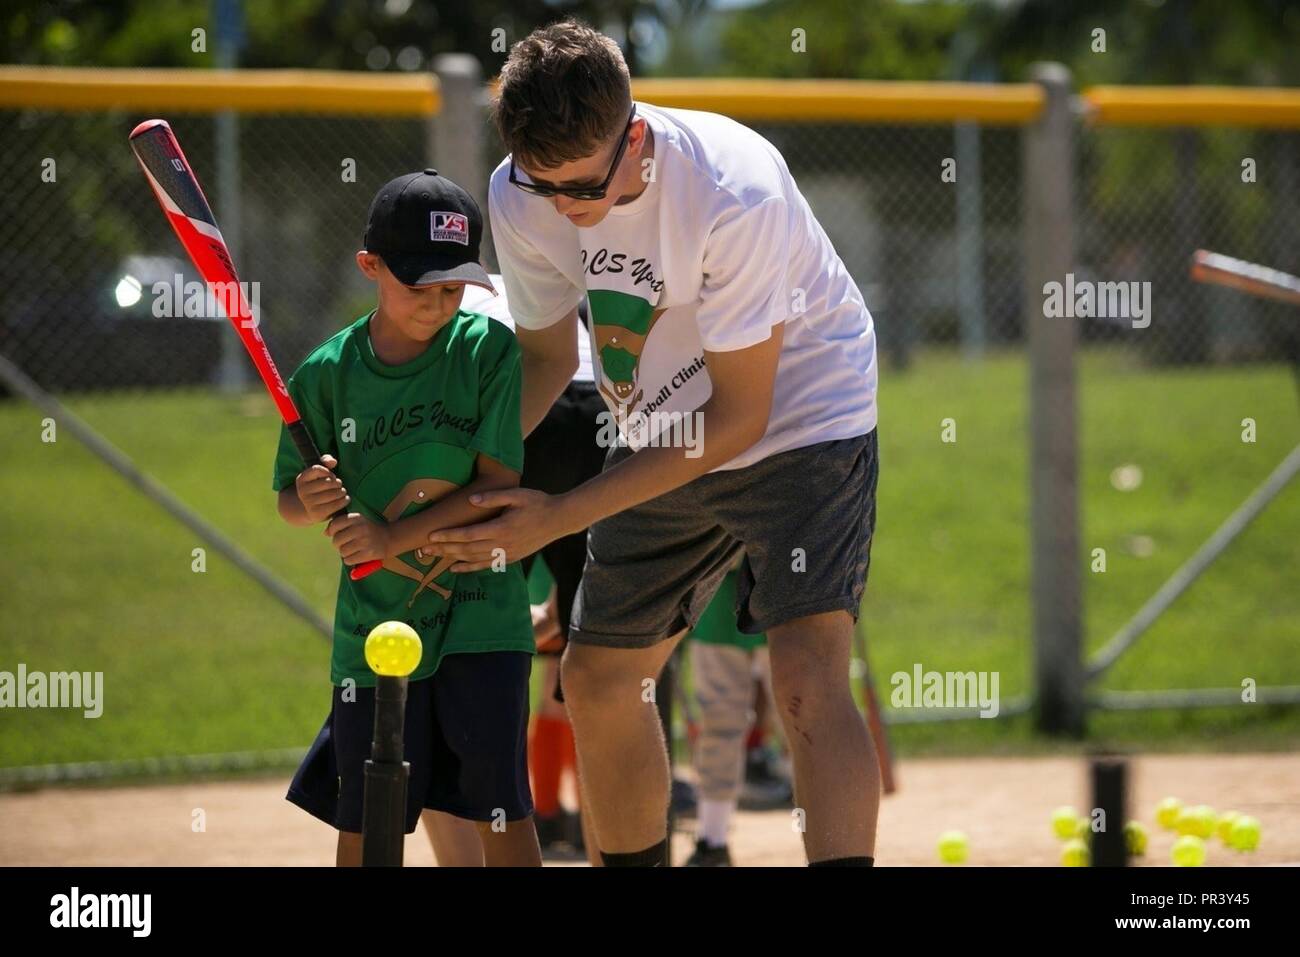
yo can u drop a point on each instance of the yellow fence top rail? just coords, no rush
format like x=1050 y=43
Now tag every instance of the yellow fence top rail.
x=1193 y=106
x=206 y=91
x=791 y=101
x=848 y=100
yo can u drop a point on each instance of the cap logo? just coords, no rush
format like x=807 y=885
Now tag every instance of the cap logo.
x=449 y=228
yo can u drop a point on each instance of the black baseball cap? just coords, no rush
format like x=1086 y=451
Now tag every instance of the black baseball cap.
x=427 y=230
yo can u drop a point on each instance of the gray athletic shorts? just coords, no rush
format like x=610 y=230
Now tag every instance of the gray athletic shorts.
x=803 y=520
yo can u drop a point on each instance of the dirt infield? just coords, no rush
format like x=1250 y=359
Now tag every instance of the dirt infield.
x=1003 y=804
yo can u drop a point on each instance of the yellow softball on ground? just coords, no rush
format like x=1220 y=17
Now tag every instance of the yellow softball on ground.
x=1167 y=812
x=1063 y=822
x=1244 y=835
x=953 y=847
x=1075 y=853
x=393 y=649
x=1189 y=851
x=1135 y=838
x=1198 y=821
x=1224 y=827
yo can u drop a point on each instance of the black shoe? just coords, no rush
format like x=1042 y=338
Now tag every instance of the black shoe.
x=707 y=855
x=573 y=829
x=560 y=836
x=552 y=830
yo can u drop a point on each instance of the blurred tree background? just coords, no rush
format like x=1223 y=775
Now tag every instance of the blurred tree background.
x=1147 y=41
x=1129 y=179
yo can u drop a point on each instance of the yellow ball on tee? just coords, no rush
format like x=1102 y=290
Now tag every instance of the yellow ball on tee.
x=393 y=649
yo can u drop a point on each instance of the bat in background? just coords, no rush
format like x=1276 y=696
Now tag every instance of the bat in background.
x=875 y=723
x=182 y=199
x=1246 y=277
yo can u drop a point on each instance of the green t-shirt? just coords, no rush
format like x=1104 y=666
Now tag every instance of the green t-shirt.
x=413 y=432
x=717 y=626
x=540 y=581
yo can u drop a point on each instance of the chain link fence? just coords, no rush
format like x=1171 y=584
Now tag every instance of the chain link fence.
x=1188 y=413
x=1148 y=198
x=929 y=220
x=92 y=265
x=77 y=221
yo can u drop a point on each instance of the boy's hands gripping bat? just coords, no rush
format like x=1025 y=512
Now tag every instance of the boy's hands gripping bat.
x=182 y=199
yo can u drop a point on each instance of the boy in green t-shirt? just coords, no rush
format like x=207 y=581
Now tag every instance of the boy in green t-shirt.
x=728 y=755
x=416 y=407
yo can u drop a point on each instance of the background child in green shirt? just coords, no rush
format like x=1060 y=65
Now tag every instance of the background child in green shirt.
x=416 y=407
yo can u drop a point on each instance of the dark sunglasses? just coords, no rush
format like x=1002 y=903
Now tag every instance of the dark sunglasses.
x=579 y=192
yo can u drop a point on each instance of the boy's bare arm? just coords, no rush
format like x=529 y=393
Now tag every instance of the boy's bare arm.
x=412 y=532
x=358 y=539
x=290 y=507
x=550 y=357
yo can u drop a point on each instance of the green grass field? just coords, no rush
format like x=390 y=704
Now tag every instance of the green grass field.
x=96 y=578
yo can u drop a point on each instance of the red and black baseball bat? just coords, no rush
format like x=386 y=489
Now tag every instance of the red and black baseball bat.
x=187 y=209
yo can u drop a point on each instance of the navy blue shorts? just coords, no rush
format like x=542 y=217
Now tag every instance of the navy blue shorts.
x=465 y=738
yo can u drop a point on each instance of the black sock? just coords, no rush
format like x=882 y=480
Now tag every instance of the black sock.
x=652 y=856
x=844 y=862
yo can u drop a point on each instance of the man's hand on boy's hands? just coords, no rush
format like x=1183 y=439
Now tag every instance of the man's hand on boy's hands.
x=358 y=539
x=320 y=490
x=531 y=520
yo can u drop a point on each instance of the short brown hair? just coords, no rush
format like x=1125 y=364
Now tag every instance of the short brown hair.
x=564 y=91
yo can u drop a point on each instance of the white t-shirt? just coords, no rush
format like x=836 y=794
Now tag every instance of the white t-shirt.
x=719 y=248
x=477 y=299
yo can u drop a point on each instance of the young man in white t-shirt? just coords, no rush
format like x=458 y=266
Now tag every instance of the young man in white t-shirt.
x=738 y=359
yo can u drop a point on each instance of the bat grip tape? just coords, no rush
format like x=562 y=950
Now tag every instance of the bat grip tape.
x=307 y=449
x=303 y=441
x=311 y=456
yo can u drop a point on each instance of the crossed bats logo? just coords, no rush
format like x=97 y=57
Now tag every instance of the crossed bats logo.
x=420 y=491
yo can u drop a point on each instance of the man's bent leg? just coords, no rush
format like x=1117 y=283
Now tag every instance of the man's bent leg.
x=836 y=772
x=622 y=756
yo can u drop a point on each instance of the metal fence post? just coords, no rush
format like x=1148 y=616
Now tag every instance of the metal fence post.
x=970 y=241
x=457 y=131
x=1048 y=146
